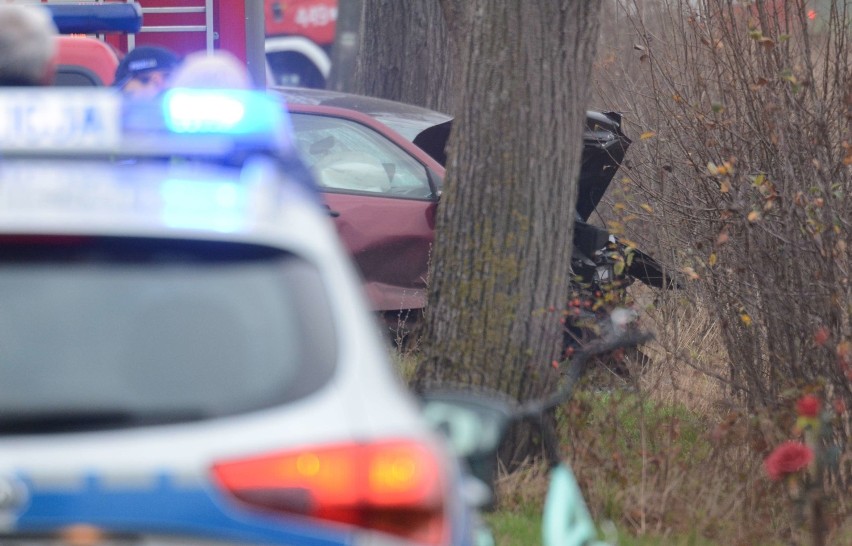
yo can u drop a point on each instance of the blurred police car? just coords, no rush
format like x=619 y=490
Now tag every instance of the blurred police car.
x=185 y=351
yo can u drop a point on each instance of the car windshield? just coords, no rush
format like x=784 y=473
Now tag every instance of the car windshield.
x=105 y=332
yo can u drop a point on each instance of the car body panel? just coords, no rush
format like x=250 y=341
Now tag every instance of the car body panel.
x=390 y=237
x=394 y=266
x=405 y=119
x=103 y=474
x=159 y=478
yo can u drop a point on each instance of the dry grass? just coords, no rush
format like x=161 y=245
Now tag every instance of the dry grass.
x=523 y=489
x=678 y=450
x=670 y=454
x=688 y=355
x=673 y=455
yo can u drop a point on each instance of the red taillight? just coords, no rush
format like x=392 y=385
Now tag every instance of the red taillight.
x=395 y=487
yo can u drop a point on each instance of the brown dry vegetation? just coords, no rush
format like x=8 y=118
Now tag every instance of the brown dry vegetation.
x=739 y=174
x=739 y=179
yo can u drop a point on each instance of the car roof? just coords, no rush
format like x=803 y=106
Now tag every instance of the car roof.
x=406 y=119
x=604 y=141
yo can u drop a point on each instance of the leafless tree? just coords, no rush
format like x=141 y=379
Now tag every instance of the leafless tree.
x=745 y=164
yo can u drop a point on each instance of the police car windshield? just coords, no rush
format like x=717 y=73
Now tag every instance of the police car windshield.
x=109 y=332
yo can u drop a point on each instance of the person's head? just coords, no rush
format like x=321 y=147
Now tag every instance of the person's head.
x=215 y=70
x=144 y=71
x=27 y=46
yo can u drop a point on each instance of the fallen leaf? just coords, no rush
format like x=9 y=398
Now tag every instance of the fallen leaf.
x=690 y=273
x=753 y=216
x=712 y=168
x=647 y=134
x=712 y=260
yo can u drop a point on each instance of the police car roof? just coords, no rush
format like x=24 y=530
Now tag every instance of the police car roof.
x=87 y=161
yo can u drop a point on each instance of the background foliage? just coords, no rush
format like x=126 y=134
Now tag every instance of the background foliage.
x=739 y=180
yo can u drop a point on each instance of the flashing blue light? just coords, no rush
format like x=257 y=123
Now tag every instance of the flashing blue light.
x=202 y=111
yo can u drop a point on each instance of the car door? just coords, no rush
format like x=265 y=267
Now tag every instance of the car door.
x=381 y=191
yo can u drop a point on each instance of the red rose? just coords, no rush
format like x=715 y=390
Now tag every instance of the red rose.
x=787 y=458
x=808 y=406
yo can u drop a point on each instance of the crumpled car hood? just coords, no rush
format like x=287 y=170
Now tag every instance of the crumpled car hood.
x=604 y=146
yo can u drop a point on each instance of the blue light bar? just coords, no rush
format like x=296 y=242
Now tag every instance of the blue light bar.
x=95 y=18
x=100 y=121
x=217 y=111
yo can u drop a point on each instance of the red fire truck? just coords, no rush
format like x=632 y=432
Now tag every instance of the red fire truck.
x=299 y=37
x=285 y=41
x=298 y=34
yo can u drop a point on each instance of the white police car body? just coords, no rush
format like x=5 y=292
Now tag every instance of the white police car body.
x=185 y=350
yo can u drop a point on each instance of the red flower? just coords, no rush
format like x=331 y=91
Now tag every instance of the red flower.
x=808 y=406
x=787 y=458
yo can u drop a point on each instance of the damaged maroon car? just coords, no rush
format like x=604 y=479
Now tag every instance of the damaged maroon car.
x=380 y=166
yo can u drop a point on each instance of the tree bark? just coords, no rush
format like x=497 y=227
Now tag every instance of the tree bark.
x=500 y=267
x=348 y=33
x=404 y=54
x=515 y=76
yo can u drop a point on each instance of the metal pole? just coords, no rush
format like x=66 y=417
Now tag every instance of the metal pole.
x=344 y=53
x=209 y=40
x=255 y=42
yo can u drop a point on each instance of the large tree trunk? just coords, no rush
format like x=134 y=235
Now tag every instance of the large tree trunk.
x=403 y=53
x=515 y=75
x=501 y=262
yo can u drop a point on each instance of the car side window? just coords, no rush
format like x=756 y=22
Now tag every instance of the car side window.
x=346 y=156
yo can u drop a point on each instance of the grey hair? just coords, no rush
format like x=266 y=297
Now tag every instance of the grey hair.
x=26 y=44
